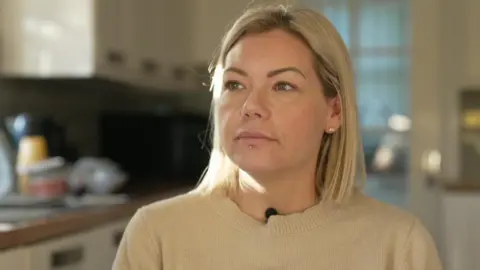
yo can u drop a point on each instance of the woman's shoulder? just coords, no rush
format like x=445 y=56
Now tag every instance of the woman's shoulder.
x=177 y=206
x=159 y=223
x=395 y=230
x=369 y=208
x=382 y=218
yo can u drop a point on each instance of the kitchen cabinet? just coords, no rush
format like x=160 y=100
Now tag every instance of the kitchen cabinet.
x=73 y=252
x=170 y=45
x=159 y=43
x=93 y=249
x=146 y=30
x=14 y=259
x=178 y=47
x=151 y=43
x=146 y=42
x=139 y=42
x=67 y=39
x=209 y=25
x=106 y=240
x=112 y=28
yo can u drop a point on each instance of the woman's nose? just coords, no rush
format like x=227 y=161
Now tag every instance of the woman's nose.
x=255 y=106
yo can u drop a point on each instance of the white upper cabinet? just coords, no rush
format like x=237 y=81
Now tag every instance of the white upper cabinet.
x=110 y=35
x=147 y=34
x=211 y=19
x=142 y=42
x=154 y=43
x=159 y=42
x=63 y=38
x=47 y=38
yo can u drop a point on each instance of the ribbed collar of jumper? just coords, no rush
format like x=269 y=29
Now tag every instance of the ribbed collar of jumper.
x=307 y=220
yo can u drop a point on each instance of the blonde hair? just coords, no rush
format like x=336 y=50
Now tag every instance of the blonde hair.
x=340 y=157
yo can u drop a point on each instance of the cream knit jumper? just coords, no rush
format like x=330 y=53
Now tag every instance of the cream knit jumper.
x=209 y=232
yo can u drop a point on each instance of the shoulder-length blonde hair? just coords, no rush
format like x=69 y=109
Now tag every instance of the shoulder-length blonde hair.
x=340 y=158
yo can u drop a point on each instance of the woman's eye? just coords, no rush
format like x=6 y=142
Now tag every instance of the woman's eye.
x=232 y=85
x=284 y=86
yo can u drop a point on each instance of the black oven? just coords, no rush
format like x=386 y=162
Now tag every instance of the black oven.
x=171 y=148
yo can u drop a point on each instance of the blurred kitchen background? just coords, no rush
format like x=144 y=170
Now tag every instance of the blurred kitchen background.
x=104 y=108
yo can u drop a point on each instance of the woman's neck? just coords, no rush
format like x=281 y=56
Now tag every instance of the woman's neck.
x=286 y=193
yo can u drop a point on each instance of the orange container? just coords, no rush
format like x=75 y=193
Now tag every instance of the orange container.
x=31 y=149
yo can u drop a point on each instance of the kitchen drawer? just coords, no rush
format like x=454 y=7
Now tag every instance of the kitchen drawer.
x=14 y=259
x=106 y=241
x=73 y=252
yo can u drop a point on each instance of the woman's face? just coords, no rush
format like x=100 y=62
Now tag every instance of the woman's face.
x=272 y=112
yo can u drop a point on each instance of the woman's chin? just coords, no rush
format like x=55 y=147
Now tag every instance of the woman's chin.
x=254 y=166
x=256 y=160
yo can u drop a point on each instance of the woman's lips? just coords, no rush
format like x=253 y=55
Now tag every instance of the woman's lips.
x=253 y=136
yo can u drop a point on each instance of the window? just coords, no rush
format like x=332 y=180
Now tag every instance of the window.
x=376 y=33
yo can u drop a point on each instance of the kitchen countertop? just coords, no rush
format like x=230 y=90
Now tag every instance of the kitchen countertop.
x=71 y=221
x=463 y=187
x=77 y=220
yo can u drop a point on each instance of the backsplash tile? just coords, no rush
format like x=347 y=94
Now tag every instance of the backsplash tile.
x=76 y=104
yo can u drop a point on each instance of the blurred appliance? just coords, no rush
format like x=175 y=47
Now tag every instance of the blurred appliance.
x=25 y=124
x=32 y=149
x=96 y=176
x=169 y=148
x=7 y=163
x=47 y=178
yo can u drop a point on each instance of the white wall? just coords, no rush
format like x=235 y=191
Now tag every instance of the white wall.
x=446 y=41
x=462 y=223
x=460 y=68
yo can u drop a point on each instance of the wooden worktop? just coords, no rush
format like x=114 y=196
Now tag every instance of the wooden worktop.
x=75 y=221
x=463 y=187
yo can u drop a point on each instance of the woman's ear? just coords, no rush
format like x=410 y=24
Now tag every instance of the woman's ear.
x=334 y=114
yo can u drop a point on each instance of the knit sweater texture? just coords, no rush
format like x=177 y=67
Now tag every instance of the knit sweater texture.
x=195 y=231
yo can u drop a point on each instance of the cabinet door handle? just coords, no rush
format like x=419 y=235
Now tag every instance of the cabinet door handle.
x=115 y=57
x=150 y=66
x=117 y=238
x=179 y=74
x=66 y=257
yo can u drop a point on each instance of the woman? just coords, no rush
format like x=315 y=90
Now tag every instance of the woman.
x=280 y=190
